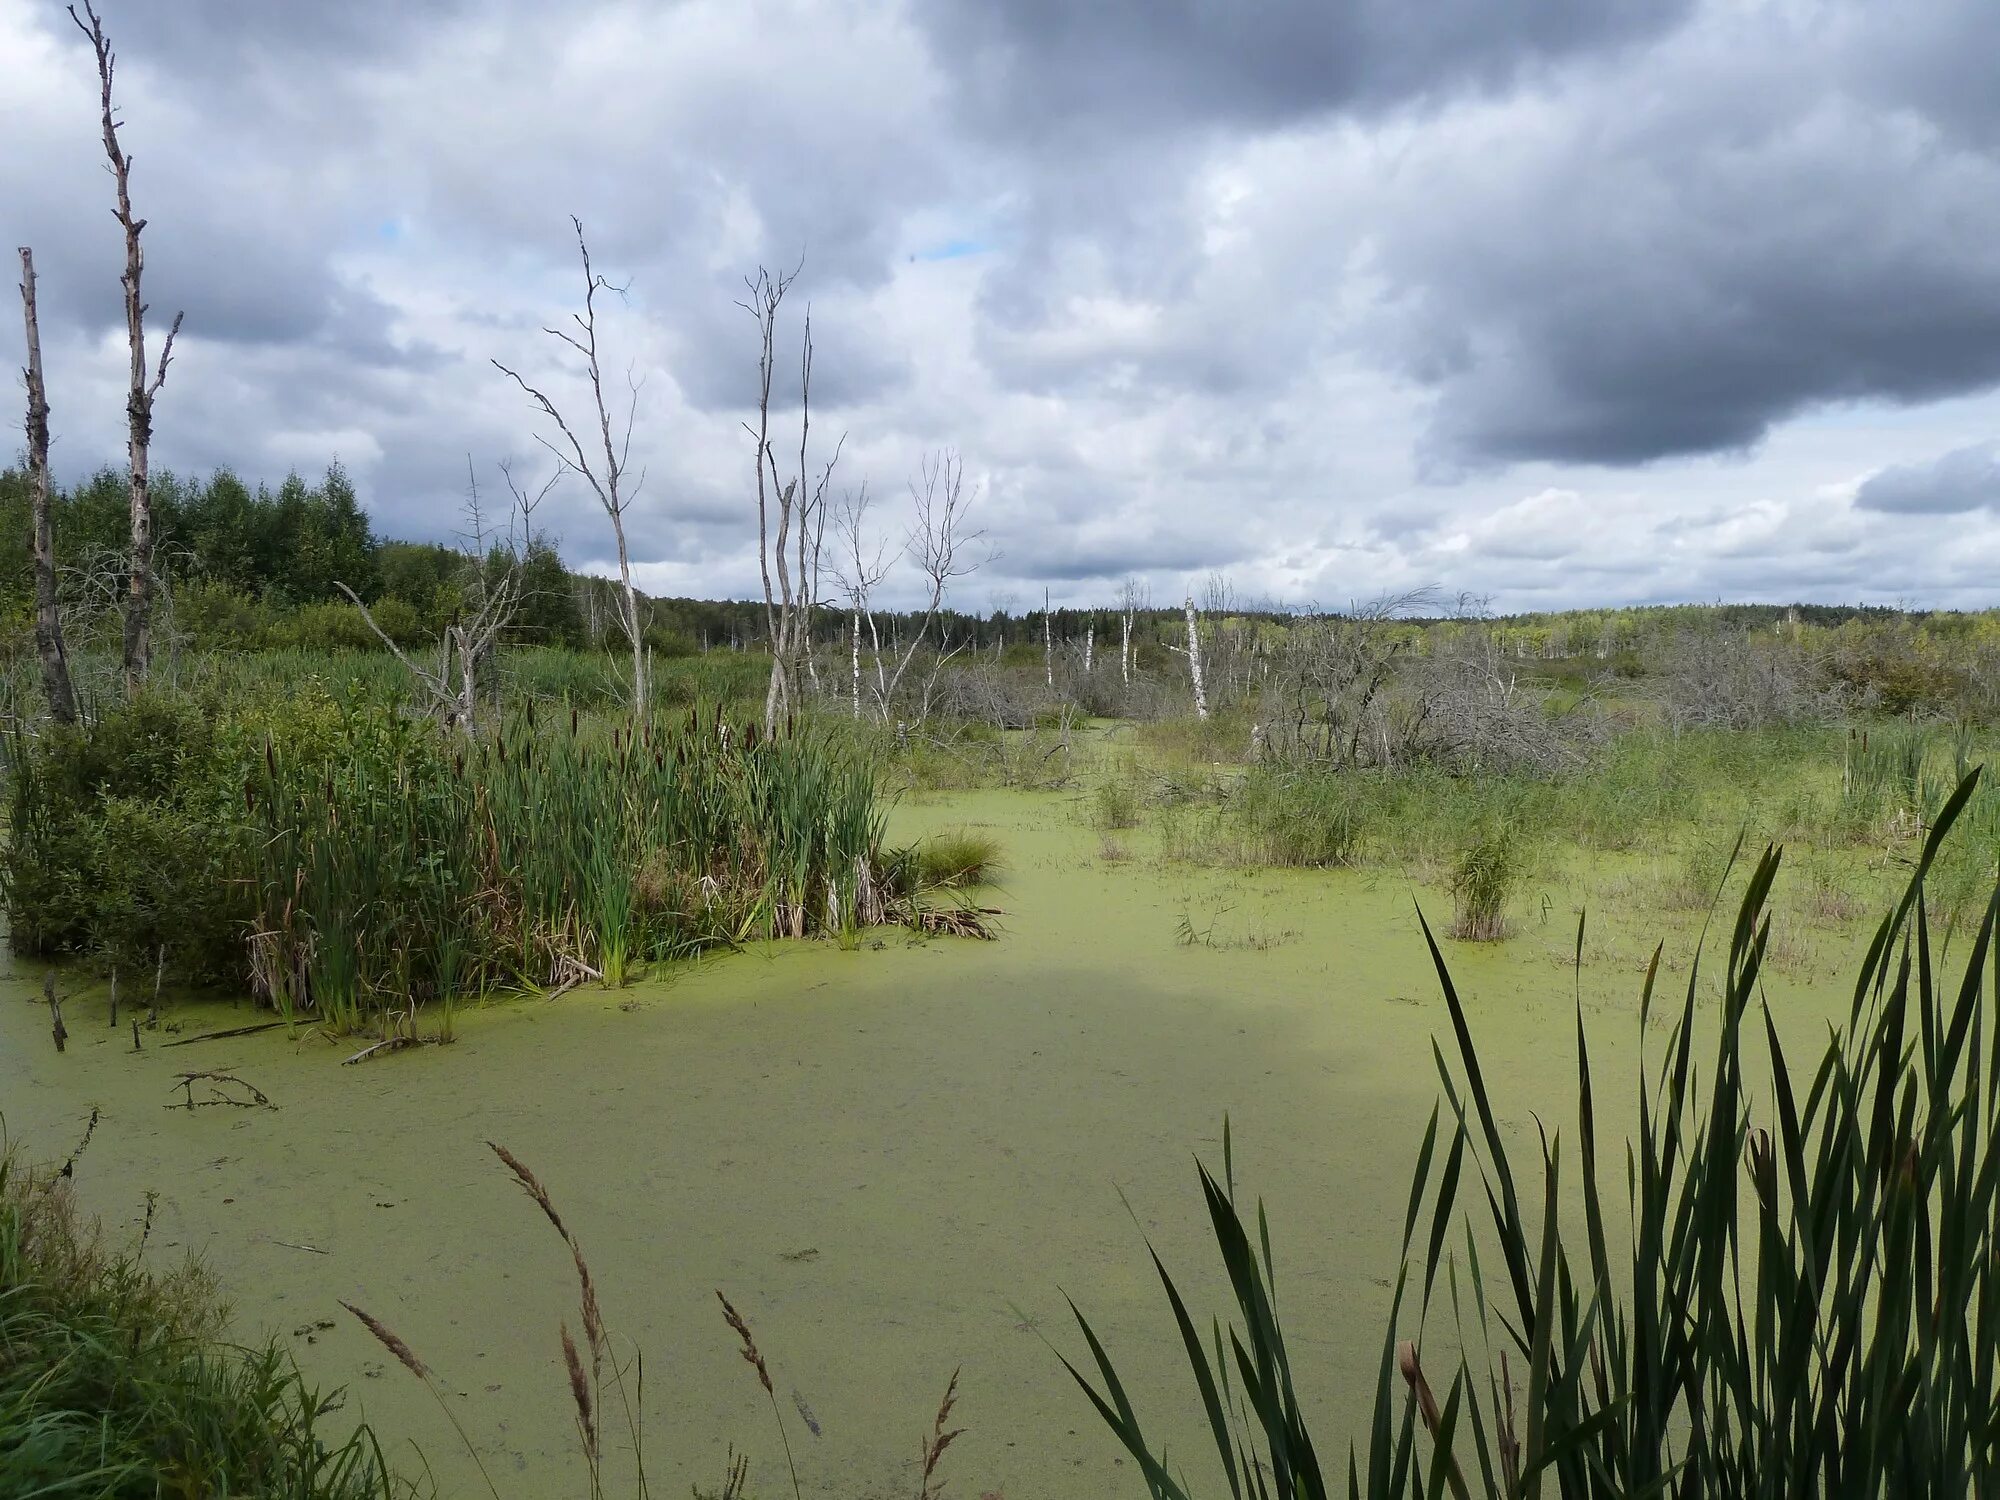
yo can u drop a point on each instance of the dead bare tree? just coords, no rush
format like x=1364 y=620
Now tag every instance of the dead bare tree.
x=1131 y=599
x=940 y=546
x=493 y=598
x=1048 y=643
x=788 y=547
x=864 y=563
x=606 y=473
x=138 y=656
x=1192 y=651
x=56 y=682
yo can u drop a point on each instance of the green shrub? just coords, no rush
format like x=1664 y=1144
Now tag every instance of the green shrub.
x=334 y=627
x=215 y=617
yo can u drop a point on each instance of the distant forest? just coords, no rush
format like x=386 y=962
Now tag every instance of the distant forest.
x=258 y=568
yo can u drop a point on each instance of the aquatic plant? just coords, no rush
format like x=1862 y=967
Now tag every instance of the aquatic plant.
x=957 y=858
x=1807 y=1300
x=1115 y=803
x=1483 y=880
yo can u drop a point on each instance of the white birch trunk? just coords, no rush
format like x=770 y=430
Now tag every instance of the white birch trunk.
x=1194 y=662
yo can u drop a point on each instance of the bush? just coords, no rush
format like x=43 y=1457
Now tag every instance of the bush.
x=215 y=617
x=333 y=627
x=123 y=839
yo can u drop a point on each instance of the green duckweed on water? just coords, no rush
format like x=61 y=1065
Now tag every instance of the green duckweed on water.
x=896 y=1160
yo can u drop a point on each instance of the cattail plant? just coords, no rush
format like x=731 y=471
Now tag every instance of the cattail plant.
x=1802 y=1297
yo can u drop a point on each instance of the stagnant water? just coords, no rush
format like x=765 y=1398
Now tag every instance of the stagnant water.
x=896 y=1161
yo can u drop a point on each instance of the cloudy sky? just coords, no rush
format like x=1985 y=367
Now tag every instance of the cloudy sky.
x=1558 y=301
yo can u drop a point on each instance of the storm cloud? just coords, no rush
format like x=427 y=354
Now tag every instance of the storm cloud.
x=1557 y=301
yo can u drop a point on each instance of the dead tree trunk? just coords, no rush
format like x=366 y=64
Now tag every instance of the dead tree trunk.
x=1048 y=643
x=1194 y=662
x=792 y=548
x=56 y=683
x=141 y=390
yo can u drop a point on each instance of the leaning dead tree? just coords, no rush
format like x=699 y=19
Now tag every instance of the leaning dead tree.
x=603 y=464
x=144 y=386
x=791 y=509
x=56 y=683
x=495 y=590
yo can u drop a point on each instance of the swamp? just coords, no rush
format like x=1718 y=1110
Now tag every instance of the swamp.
x=596 y=974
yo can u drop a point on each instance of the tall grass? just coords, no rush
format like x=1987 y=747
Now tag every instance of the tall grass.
x=347 y=860
x=1801 y=1298
x=1483 y=881
x=404 y=866
x=115 y=1383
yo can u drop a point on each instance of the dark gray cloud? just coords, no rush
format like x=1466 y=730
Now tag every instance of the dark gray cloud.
x=1051 y=67
x=1962 y=480
x=1671 y=258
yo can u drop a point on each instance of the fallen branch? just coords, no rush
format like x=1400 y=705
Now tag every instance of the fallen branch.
x=217 y=1036
x=220 y=1083
x=387 y=1044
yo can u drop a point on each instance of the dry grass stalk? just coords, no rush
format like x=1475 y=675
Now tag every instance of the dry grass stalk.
x=751 y=1355
x=1420 y=1387
x=406 y=1356
x=386 y=1337
x=1413 y=1376
x=579 y=1389
x=929 y=1486
x=593 y=1317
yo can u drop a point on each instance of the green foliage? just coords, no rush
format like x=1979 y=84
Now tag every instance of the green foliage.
x=115 y=1384
x=1802 y=1298
x=121 y=837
